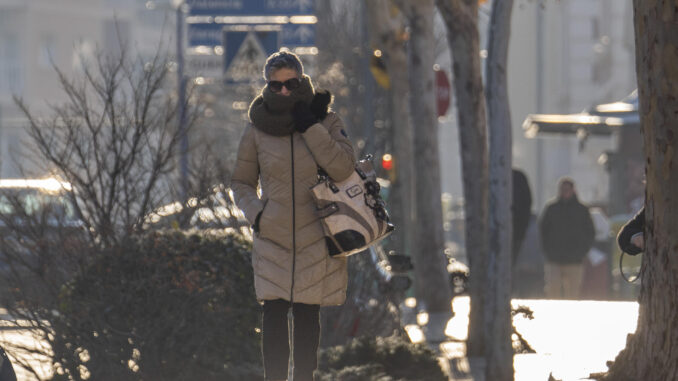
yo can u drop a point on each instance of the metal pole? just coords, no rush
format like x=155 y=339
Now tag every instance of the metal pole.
x=183 y=164
x=368 y=81
x=539 y=181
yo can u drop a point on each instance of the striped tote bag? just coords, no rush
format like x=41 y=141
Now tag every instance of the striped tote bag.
x=352 y=212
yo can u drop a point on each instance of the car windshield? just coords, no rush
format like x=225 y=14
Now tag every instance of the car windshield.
x=32 y=202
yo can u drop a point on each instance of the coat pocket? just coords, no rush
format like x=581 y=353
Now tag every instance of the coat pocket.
x=257 y=224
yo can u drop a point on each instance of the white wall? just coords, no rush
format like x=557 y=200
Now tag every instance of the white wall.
x=577 y=35
x=587 y=59
x=38 y=34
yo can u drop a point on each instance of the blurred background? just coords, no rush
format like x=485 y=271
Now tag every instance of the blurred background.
x=571 y=80
x=565 y=57
x=574 y=112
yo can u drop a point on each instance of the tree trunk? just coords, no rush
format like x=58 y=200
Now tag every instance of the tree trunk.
x=498 y=348
x=652 y=352
x=432 y=285
x=388 y=34
x=461 y=20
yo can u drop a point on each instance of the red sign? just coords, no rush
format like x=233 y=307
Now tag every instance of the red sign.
x=442 y=88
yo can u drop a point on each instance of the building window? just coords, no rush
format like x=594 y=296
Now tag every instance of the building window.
x=11 y=70
x=595 y=29
x=83 y=54
x=46 y=54
x=13 y=149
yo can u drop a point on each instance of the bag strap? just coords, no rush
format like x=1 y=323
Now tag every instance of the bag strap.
x=327 y=211
x=323 y=177
x=621 y=270
x=322 y=174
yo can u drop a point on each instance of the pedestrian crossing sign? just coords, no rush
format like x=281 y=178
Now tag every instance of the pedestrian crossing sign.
x=245 y=53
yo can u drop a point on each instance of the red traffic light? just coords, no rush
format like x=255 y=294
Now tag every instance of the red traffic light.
x=387 y=162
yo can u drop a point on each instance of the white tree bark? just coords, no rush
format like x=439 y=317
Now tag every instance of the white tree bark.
x=498 y=348
x=432 y=286
x=461 y=21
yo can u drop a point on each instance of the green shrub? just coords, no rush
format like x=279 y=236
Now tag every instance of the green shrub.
x=380 y=359
x=162 y=306
x=372 y=372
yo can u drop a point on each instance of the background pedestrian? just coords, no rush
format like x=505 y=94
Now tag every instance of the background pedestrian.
x=567 y=235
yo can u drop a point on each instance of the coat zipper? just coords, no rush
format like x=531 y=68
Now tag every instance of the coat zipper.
x=294 y=227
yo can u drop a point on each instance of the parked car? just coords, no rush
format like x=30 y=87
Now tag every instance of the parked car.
x=39 y=228
x=25 y=200
x=215 y=211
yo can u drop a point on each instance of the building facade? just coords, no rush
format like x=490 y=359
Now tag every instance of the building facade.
x=565 y=56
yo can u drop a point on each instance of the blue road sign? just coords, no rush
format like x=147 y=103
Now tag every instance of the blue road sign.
x=291 y=35
x=250 y=7
x=298 y=35
x=233 y=41
x=205 y=34
x=247 y=42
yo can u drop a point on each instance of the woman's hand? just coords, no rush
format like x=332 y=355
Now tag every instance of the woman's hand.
x=320 y=104
x=303 y=117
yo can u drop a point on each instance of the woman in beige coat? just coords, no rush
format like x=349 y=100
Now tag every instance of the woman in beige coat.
x=291 y=134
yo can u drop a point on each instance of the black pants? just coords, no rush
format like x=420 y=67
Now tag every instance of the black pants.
x=276 y=344
x=6 y=370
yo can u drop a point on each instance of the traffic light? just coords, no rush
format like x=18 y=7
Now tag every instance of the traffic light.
x=387 y=161
x=389 y=166
x=378 y=69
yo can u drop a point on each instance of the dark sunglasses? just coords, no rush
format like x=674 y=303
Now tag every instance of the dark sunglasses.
x=291 y=84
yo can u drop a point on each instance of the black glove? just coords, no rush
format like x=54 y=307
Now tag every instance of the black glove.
x=255 y=227
x=320 y=103
x=303 y=117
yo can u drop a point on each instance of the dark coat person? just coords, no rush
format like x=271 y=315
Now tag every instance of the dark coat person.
x=567 y=235
x=521 y=208
x=630 y=238
x=567 y=231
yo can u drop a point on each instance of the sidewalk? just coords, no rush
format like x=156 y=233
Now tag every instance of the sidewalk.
x=572 y=339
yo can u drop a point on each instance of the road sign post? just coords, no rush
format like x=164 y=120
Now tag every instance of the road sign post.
x=181 y=79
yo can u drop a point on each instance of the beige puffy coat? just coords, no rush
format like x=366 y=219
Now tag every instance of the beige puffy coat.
x=290 y=257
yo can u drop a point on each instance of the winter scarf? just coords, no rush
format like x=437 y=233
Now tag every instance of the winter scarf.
x=271 y=112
